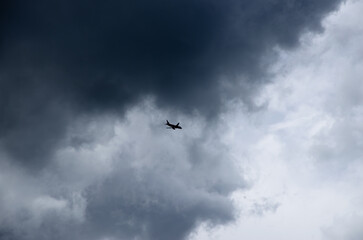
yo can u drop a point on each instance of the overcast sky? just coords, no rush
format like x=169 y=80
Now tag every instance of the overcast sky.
x=269 y=95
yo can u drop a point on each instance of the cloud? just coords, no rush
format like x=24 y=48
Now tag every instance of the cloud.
x=84 y=154
x=96 y=56
x=347 y=227
x=135 y=181
x=304 y=150
x=263 y=207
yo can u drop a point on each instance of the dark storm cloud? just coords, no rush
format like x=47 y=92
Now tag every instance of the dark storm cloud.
x=105 y=55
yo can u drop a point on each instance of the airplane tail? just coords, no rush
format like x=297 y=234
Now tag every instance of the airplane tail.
x=167 y=122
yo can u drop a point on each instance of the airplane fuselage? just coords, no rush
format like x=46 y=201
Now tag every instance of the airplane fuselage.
x=173 y=126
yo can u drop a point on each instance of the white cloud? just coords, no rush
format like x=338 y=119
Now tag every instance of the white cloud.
x=305 y=151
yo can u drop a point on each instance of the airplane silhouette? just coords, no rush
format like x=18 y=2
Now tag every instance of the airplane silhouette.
x=172 y=125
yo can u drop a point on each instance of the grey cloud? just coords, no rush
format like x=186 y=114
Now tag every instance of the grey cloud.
x=155 y=184
x=347 y=227
x=95 y=56
x=263 y=207
x=340 y=144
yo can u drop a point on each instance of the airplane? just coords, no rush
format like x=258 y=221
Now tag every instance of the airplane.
x=172 y=125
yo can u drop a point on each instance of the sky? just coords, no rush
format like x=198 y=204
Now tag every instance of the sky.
x=268 y=93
